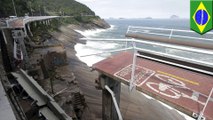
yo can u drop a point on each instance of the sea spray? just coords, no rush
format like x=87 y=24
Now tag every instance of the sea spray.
x=92 y=47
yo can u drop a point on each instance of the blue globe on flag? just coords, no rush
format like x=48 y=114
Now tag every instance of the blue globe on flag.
x=201 y=17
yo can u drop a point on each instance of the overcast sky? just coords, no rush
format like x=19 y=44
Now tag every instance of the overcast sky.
x=139 y=8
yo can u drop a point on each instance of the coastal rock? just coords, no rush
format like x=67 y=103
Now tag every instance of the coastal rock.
x=101 y=23
x=94 y=24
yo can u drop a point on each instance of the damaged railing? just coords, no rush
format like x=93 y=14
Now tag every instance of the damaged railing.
x=48 y=106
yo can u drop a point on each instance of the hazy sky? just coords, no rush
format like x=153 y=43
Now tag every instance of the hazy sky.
x=139 y=8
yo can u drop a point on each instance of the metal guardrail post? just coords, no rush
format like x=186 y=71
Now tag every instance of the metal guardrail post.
x=5 y=39
x=126 y=33
x=132 y=81
x=200 y=117
x=7 y=22
x=170 y=36
x=115 y=102
x=110 y=98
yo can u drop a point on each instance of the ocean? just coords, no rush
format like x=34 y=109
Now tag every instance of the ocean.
x=118 y=30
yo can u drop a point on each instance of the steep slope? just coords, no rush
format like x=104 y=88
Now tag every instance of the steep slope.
x=67 y=7
x=43 y=7
x=7 y=9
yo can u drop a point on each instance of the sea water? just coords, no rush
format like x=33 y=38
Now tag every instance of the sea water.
x=118 y=30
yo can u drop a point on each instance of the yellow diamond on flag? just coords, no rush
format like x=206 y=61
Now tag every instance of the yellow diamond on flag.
x=201 y=17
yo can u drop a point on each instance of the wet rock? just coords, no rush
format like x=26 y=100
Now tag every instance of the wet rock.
x=101 y=23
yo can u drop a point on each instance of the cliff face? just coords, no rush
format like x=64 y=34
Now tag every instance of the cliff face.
x=6 y=8
x=43 y=7
x=101 y=23
x=95 y=23
x=64 y=7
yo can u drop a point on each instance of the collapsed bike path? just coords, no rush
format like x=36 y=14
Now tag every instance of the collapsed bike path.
x=182 y=89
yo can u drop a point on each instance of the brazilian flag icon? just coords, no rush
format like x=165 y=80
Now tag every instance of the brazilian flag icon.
x=201 y=15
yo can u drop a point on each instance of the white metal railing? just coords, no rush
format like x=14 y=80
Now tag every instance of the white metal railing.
x=29 y=19
x=162 y=29
x=111 y=51
x=170 y=34
x=178 y=47
x=132 y=81
x=37 y=18
x=136 y=49
x=135 y=55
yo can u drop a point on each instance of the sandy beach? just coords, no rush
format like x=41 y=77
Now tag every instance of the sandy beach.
x=134 y=105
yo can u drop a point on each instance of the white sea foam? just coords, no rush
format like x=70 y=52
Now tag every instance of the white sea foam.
x=101 y=45
x=90 y=33
x=92 y=47
x=89 y=60
x=94 y=32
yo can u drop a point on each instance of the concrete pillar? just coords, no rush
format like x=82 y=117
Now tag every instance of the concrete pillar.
x=5 y=39
x=108 y=108
x=25 y=31
x=28 y=26
x=48 y=21
x=35 y=24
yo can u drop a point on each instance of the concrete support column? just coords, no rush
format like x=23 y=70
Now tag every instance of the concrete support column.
x=48 y=22
x=5 y=39
x=35 y=24
x=28 y=26
x=108 y=108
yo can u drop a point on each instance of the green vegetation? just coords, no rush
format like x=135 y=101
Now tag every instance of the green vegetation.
x=44 y=7
x=66 y=7
x=78 y=13
x=41 y=31
x=85 y=19
x=6 y=8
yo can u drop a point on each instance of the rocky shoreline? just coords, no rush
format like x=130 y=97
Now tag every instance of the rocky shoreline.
x=84 y=78
x=72 y=83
